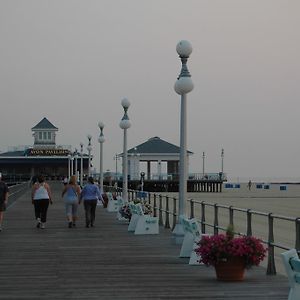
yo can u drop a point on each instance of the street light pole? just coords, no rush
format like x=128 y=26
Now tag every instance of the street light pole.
x=222 y=161
x=125 y=124
x=101 y=140
x=72 y=165
x=69 y=166
x=116 y=157
x=76 y=164
x=81 y=164
x=203 y=165
x=89 y=149
x=183 y=85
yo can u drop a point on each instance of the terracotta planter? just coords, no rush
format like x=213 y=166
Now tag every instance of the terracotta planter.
x=231 y=270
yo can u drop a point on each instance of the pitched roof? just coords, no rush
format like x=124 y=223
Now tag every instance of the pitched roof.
x=156 y=145
x=44 y=124
x=12 y=153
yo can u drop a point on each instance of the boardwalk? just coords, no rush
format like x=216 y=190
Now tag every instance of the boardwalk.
x=107 y=262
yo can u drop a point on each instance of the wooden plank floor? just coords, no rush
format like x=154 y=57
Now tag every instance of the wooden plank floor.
x=107 y=262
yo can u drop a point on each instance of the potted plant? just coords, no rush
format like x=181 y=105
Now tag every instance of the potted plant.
x=230 y=255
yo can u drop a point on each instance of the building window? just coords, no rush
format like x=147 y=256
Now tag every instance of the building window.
x=45 y=135
x=40 y=136
x=49 y=135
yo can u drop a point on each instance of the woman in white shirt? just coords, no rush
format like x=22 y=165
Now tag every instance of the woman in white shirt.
x=41 y=197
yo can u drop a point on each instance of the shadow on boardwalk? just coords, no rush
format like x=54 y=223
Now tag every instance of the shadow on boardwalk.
x=107 y=262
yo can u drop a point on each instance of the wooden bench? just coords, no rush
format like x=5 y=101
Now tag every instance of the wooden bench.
x=291 y=263
x=134 y=217
x=141 y=223
x=120 y=203
x=112 y=205
x=192 y=235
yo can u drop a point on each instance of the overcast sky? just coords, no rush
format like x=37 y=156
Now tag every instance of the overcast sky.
x=73 y=61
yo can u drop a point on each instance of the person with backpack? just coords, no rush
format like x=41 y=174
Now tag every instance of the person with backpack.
x=70 y=194
x=41 y=197
x=3 y=199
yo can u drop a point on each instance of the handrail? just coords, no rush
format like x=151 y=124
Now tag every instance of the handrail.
x=161 y=208
x=14 y=192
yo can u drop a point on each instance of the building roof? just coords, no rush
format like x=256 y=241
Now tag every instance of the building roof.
x=12 y=154
x=44 y=124
x=156 y=145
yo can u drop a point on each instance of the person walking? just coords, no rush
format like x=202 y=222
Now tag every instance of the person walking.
x=41 y=197
x=249 y=185
x=90 y=195
x=3 y=199
x=70 y=194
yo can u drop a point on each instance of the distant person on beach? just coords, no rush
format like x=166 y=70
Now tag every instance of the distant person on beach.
x=3 y=199
x=90 y=195
x=41 y=197
x=249 y=185
x=71 y=194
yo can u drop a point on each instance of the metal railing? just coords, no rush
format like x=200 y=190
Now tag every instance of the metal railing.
x=166 y=207
x=16 y=191
x=247 y=214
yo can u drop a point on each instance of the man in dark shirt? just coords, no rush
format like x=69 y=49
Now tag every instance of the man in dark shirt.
x=3 y=199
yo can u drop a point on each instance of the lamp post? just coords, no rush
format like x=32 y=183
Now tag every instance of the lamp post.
x=101 y=140
x=125 y=124
x=89 y=149
x=116 y=158
x=222 y=160
x=76 y=164
x=203 y=164
x=81 y=164
x=135 y=164
x=142 y=180
x=72 y=165
x=69 y=166
x=183 y=85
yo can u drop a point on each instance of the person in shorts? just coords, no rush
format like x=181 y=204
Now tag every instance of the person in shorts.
x=70 y=194
x=3 y=199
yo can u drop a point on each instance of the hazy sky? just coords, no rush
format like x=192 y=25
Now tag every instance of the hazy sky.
x=73 y=61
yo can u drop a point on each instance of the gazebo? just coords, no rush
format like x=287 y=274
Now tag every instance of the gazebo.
x=154 y=150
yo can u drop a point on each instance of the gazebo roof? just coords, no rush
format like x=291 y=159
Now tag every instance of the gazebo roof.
x=156 y=145
x=44 y=124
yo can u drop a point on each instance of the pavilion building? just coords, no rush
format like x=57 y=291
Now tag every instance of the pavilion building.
x=43 y=157
x=154 y=153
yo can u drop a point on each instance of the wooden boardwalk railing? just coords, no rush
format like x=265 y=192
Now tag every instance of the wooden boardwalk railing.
x=107 y=262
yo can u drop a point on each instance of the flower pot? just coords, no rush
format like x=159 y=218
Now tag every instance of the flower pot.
x=233 y=269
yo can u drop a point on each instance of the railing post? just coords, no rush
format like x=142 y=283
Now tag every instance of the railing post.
x=271 y=269
x=167 y=224
x=216 y=220
x=202 y=216
x=160 y=218
x=231 y=216
x=149 y=198
x=297 y=243
x=249 y=222
x=174 y=213
x=192 y=209
x=154 y=206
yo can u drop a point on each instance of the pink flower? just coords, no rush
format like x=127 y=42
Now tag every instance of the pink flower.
x=213 y=249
